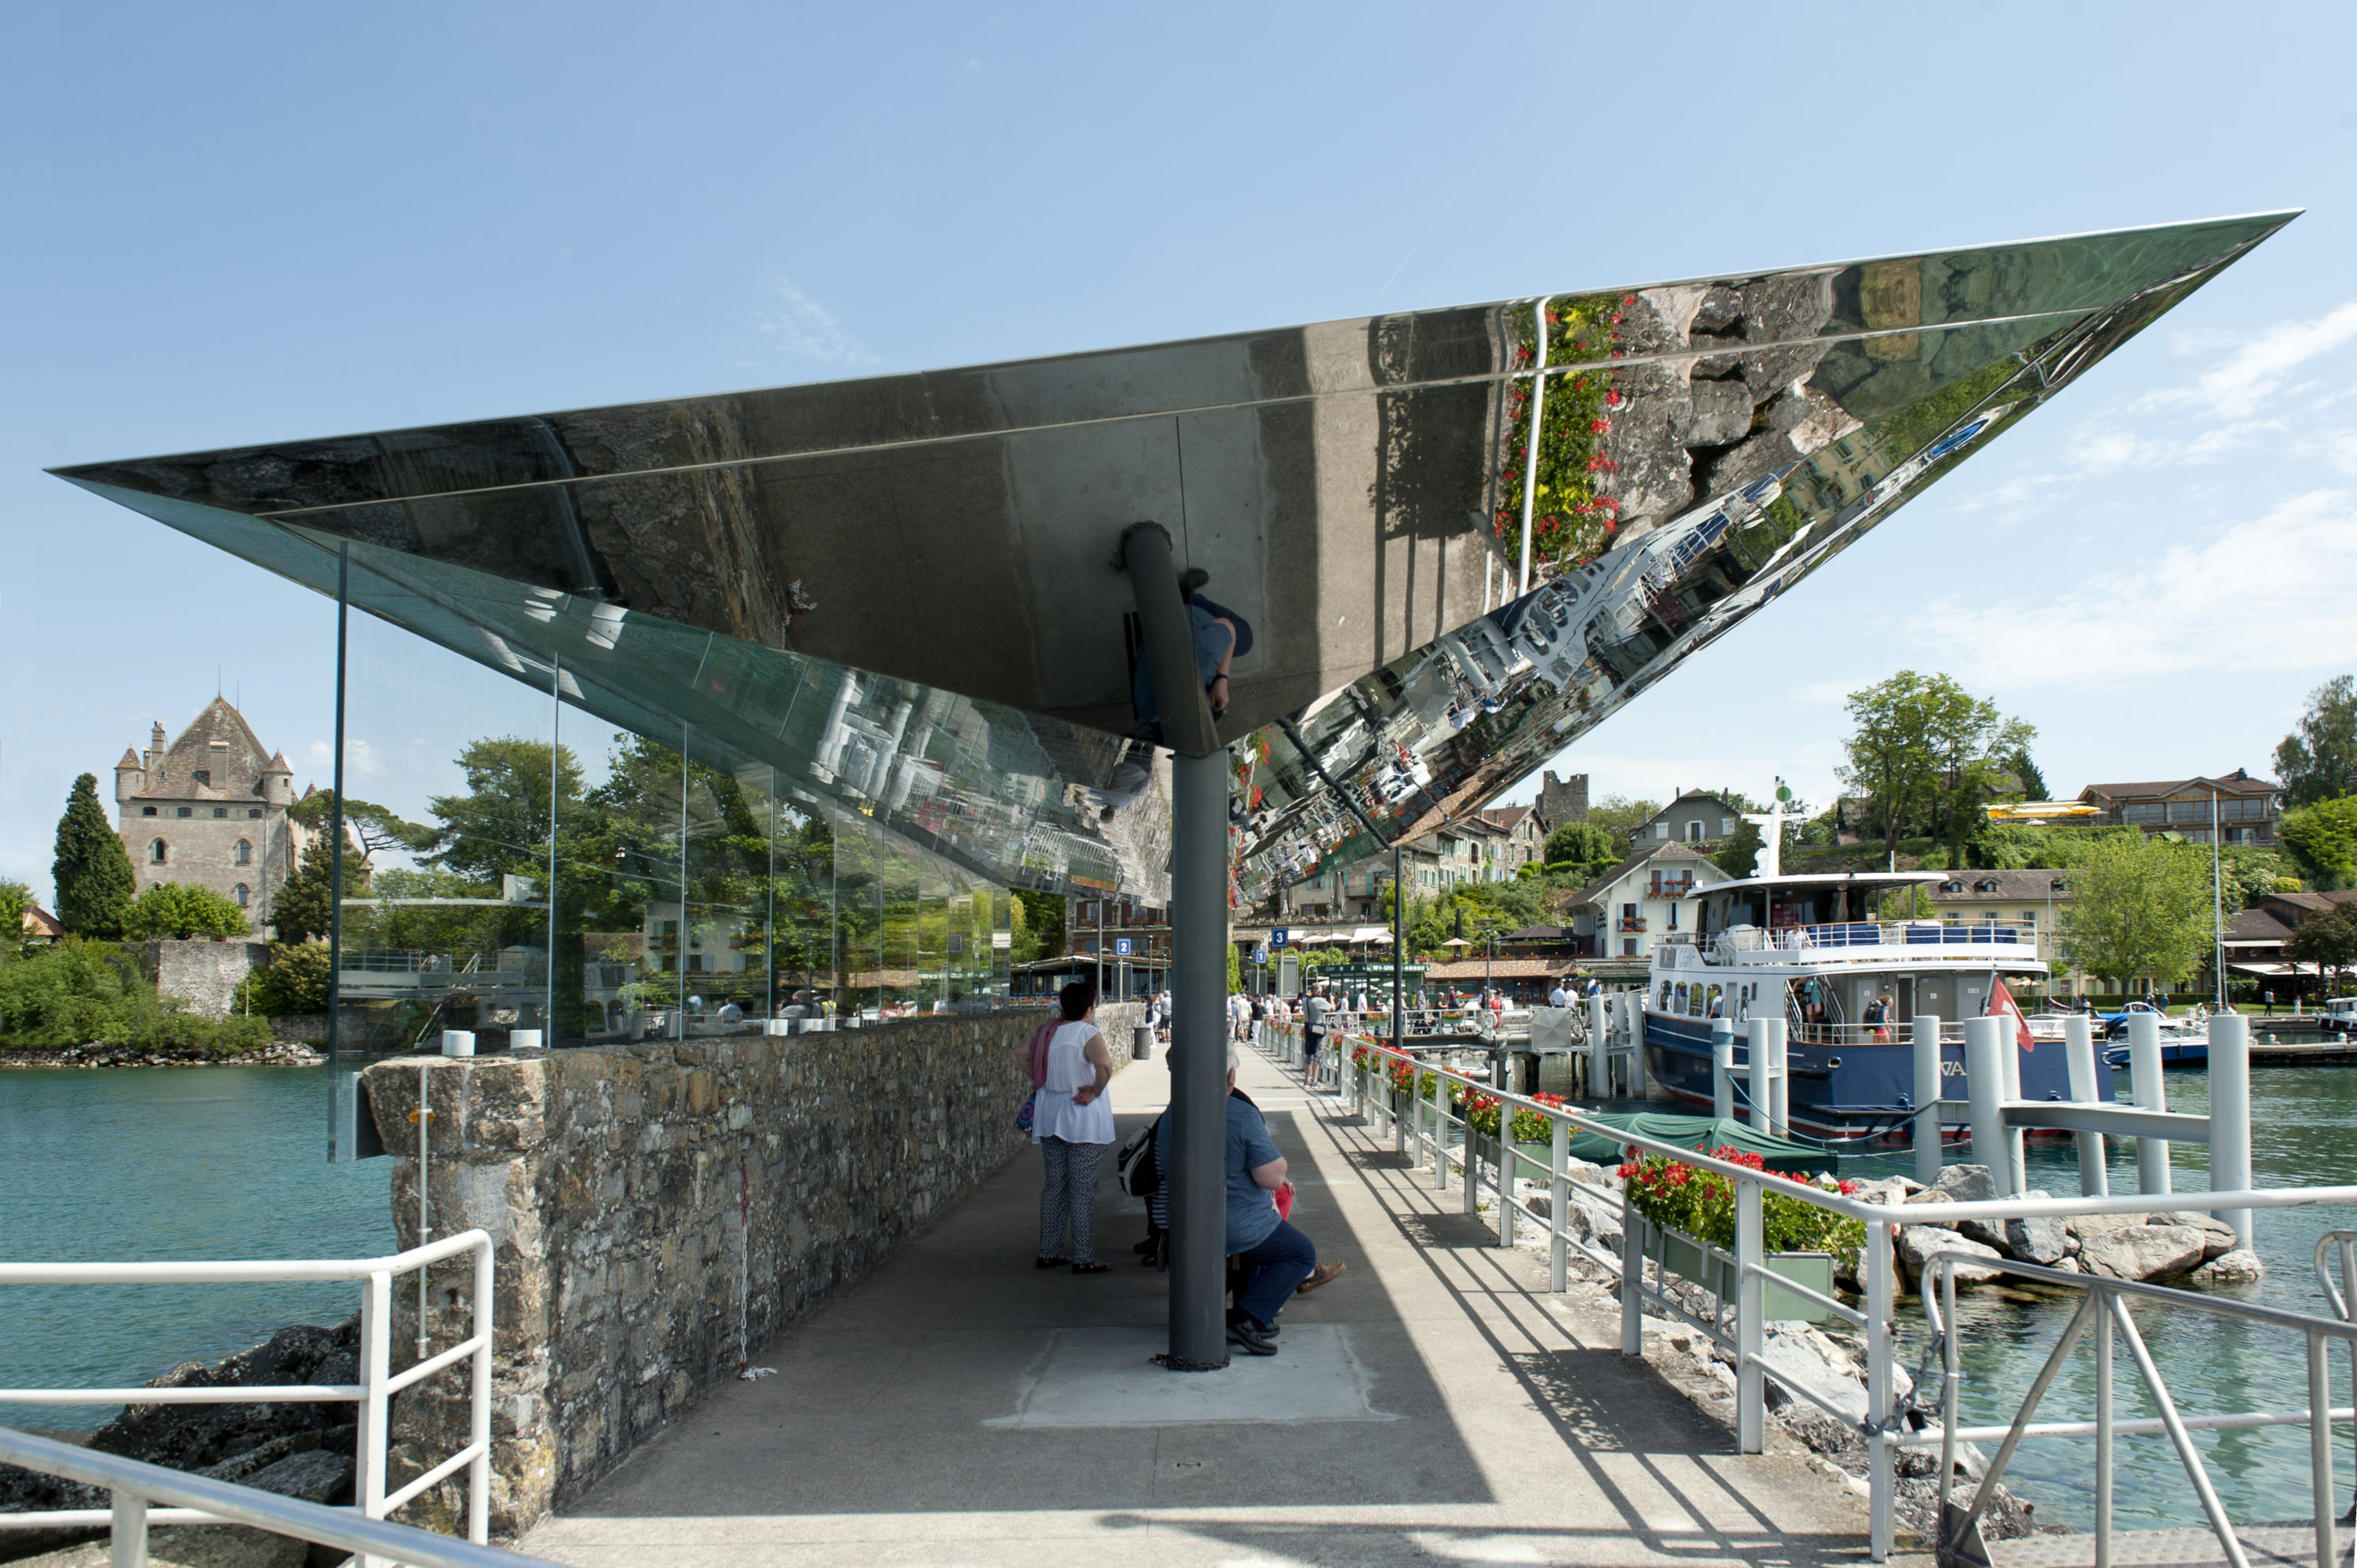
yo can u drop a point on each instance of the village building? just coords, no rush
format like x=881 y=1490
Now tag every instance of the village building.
x=2027 y=900
x=1697 y=816
x=1622 y=914
x=209 y=809
x=2249 y=810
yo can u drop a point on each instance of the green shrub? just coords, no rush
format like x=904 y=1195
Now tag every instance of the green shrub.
x=295 y=981
x=81 y=992
x=181 y=910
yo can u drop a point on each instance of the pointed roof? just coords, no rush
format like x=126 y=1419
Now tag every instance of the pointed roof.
x=234 y=772
x=278 y=763
x=130 y=759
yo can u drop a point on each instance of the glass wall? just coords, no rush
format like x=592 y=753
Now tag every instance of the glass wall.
x=520 y=863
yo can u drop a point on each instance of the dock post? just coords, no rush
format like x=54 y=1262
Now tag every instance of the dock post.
x=1639 y=1088
x=1750 y=1332
x=1722 y=1068
x=2229 y=1115
x=1929 y=1088
x=1779 y=1081
x=1984 y=1090
x=2152 y=1094
x=2086 y=1087
x=1599 y=1030
x=1756 y=1081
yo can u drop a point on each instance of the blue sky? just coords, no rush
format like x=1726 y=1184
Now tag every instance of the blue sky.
x=233 y=223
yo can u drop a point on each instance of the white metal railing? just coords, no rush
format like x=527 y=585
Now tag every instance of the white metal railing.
x=1919 y=938
x=203 y=1499
x=2105 y=1307
x=1742 y=1332
x=372 y=1394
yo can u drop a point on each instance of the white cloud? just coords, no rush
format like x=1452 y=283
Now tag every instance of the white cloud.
x=360 y=760
x=2264 y=595
x=807 y=329
x=2260 y=365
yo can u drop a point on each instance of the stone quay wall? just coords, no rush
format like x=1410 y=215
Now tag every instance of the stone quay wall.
x=612 y=1180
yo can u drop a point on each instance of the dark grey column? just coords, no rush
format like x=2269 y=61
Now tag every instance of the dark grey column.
x=1199 y=966
x=1199 y=1059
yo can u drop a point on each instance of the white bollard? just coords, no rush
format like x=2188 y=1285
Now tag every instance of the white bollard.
x=1779 y=1081
x=1984 y=1091
x=2016 y=1149
x=1639 y=1088
x=1756 y=1082
x=523 y=1039
x=1722 y=1068
x=2152 y=1094
x=457 y=1042
x=1929 y=1088
x=2086 y=1087
x=2229 y=1115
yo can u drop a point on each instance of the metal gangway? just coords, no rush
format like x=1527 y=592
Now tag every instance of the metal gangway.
x=1424 y=1104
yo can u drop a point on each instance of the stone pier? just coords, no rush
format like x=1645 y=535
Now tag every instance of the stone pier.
x=612 y=1180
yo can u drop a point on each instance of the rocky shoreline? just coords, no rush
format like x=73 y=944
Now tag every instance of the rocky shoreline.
x=297 y=1450
x=278 y=1053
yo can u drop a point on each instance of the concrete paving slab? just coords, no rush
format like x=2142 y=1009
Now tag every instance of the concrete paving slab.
x=1108 y=1377
x=1434 y=1405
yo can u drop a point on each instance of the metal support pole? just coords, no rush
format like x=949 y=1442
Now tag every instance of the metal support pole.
x=2152 y=1094
x=2103 y=1437
x=129 y=1526
x=1930 y=1088
x=1985 y=1089
x=1558 y=1197
x=1779 y=1082
x=1722 y=1068
x=2086 y=1087
x=1750 y=1332
x=1639 y=1088
x=1198 y=1060
x=1632 y=1280
x=1439 y=1132
x=1881 y=1484
x=2319 y=1431
x=1762 y=1048
x=1599 y=1033
x=2230 y=1116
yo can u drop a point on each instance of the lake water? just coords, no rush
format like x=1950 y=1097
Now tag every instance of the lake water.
x=151 y=1164
x=2303 y=1133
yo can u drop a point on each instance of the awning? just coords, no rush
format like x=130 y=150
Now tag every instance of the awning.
x=2277 y=970
x=1370 y=934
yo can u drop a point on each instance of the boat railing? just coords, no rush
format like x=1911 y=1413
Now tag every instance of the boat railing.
x=1748 y=943
x=1429 y=1107
x=372 y=1394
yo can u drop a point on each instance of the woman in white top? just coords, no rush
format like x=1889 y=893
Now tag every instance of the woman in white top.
x=1071 y=1120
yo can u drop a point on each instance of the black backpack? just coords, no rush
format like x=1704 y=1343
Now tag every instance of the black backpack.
x=1135 y=1169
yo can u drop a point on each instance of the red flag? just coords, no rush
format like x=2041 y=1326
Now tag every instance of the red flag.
x=2001 y=1004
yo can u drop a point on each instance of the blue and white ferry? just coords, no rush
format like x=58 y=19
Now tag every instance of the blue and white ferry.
x=1808 y=949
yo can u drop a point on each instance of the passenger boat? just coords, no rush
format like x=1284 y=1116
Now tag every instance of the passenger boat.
x=1808 y=948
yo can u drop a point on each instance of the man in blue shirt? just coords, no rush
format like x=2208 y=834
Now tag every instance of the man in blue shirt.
x=1275 y=1257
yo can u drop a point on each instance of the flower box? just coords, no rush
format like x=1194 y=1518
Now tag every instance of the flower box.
x=1684 y=1257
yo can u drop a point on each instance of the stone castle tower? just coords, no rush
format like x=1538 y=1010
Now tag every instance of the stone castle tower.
x=211 y=808
x=1560 y=801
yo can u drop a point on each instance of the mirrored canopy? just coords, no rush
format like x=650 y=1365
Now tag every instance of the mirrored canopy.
x=1461 y=537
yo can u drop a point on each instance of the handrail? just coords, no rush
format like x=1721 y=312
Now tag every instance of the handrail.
x=373 y=1393
x=1886 y=1414
x=135 y=1483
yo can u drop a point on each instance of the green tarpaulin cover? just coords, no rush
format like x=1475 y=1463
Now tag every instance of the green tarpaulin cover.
x=1795 y=1156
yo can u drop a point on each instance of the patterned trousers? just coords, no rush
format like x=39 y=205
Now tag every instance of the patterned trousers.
x=1070 y=1194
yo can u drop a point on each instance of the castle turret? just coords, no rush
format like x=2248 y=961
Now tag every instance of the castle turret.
x=130 y=776
x=278 y=781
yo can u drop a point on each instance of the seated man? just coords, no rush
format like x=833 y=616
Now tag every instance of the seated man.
x=1274 y=1259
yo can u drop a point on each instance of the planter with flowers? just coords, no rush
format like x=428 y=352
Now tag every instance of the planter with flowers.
x=1691 y=1208
x=1532 y=1137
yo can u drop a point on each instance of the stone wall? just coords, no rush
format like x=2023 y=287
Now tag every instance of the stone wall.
x=202 y=972
x=611 y=1180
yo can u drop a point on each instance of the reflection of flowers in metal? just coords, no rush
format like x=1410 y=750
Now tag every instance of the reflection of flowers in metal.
x=1571 y=518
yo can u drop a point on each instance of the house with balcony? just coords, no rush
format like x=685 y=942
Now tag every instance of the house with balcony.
x=1624 y=913
x=1697 y=816
x=2249 y=810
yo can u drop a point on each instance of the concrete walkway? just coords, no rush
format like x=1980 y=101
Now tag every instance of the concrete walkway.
x=959 y=1406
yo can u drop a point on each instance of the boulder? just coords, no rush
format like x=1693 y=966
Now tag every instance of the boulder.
x=2239 y=1267
x=2040 y=1241
x=2143 y=1251
x=1967 y=1184
x=1918 y=1242
x=2085 y=1227
x=2222 y=1237
x=1930 y=1196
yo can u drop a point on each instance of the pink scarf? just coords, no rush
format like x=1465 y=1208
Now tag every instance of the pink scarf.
x=1039 y=1039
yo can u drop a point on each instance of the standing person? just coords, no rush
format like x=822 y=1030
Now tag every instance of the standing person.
x=1314 y=1011
x=1071 y=1120
x=1561 y=995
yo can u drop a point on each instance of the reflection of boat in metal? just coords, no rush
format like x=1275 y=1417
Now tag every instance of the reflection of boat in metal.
x=1809 y=950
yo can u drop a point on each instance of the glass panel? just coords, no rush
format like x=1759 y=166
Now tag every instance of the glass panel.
x=619 y=887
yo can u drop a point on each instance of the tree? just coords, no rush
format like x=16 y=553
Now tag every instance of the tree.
x=1929 y=753
x=301 y=911
x=182 y=911
x=2138 y=907
x=373 y=827
x=14 y=900
x=2327 y=938
x=1739 y=855
x=1043 y=918
x=293 y=982
x=1620 y=816
x=1582 y=850
x=2033 y=782
x=2320 y=763
x=91 y=873
x=2323 y=838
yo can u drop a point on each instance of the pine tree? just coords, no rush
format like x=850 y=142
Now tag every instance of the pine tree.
x=300 y=911
x=91 y=873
